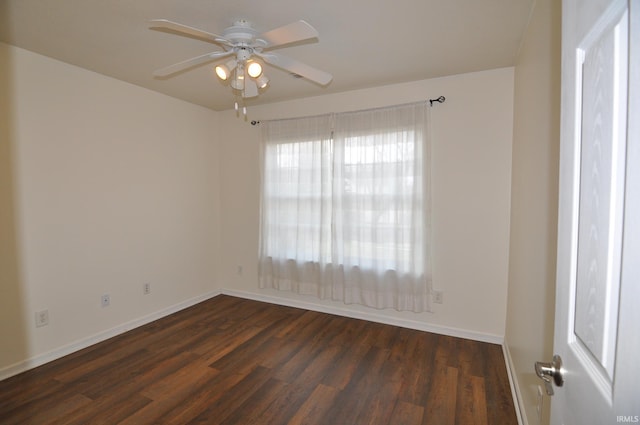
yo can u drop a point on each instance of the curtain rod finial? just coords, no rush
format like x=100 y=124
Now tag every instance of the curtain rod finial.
x=441 y=99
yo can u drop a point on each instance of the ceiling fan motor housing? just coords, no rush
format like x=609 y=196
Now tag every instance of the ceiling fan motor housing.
x=243 y=53
x=241 y=31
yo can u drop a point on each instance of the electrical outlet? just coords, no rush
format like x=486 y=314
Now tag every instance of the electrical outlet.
x=437 y=297
x=42 y=318
x=146 y=288
x=105 y=300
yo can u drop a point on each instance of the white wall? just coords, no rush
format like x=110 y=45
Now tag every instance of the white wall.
x=472 y=133
x=108 y=186
x=105 y=186
x=532 y=254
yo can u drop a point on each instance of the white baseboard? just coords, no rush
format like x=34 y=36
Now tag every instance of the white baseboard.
x=370 y=316
x=57 y=353
x=515 y=388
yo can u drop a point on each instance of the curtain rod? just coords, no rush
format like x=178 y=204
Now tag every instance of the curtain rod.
x=440 y=99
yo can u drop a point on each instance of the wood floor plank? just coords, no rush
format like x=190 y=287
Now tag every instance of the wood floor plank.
x=383 y=399
x=28 y=393
x=254 y=410
x=250 y=355
x=233 y=398
x=236 y=361
x=315 y=407
x=406 y=414
x=442 y=402
x=180 y=379
x=311 y=363
x=200 y=400
x=350 y=332
x=479 y=401
x=224 y=343
x=345 y=365
x=281 y=352
x=172 y=392
x=292 y=328
x=289 y=400
x=356 y=396
x=320 y=365
x=101 y=412
x=154 y=369
x=500 y=407
x=415 y=388
x=43 y=411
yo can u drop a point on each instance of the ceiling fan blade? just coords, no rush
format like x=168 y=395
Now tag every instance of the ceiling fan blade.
x=186 y=31
x=287 y=34
x=250 y=88
x=298 y=68
x=189 y=63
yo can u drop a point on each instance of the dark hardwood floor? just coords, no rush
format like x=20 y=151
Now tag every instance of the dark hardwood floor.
x=234 y=361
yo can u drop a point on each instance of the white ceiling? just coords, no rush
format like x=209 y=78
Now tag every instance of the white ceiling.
x=363 y=43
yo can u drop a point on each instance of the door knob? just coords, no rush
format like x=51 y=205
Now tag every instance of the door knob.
x=551 y=373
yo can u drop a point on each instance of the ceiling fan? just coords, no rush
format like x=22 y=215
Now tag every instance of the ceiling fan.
x=246 y=49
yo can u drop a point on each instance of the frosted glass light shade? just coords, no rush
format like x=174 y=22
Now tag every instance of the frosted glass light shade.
x=222 y=72
x=254 y=69
x=238 y=82
x=262 y=81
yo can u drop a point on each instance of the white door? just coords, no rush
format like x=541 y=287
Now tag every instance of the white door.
x=597 y=331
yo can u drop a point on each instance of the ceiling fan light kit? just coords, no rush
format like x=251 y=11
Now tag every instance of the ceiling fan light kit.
x=254 y=69
x=244 y=71
x=224 y=71
x=262 y=81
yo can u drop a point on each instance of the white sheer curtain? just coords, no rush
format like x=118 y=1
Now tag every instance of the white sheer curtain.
x=295 y=227
x=346 y=207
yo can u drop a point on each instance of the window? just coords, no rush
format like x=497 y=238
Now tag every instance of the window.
x=344 y=208
x=376 y=180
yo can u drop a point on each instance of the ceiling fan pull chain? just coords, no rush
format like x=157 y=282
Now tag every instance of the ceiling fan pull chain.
x=240 y=103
